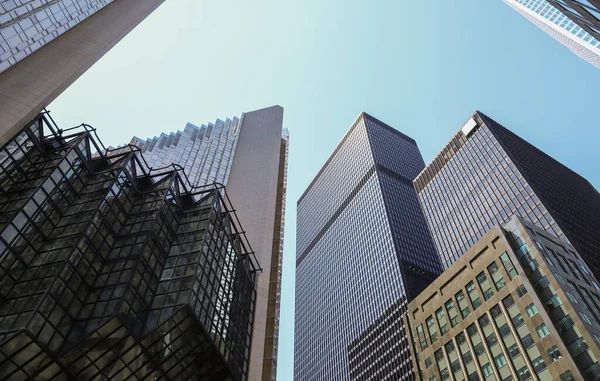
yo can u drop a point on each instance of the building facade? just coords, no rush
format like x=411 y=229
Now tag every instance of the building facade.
x=515 y=306
x=114 y=270
x=486 y=174
x=46 y=45
x=248 y=155
x=362 y=252
x=586 y=13
x=560 y=27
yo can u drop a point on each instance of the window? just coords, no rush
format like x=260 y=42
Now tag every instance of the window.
x=491 y=339
x=455 y=366
x=513 y=351
x=508 y=302
x=508 y=266
x=504 y=330
x=567 y=376
x=421 y=335
x=473 y=295
x=538 y=364
x=531 y=310
x=449 y=347
x=428 y=363
x=554 y=353
x=527 y=341
x=472 y=330
x=585 y=318
x=521 y=290
x=467 y=357
x=517 y=320
x=542 y=330
x=445 y=374
x=487 y=370
x=439 y=355
x=474 y=376
x=433 y=378
x=460 y=338
x=484 y=321
x=500 y=361
x=523 y=374
x=479 y=349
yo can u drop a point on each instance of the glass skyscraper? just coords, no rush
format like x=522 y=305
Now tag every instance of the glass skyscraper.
x=45 y=45
x=248 y=155
x=586 y=13
x=486 y=174
x=562 y=27
x=363 y=252
x=111 y=270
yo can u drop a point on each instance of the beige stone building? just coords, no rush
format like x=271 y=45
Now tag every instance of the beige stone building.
x=518 y=305
x=46 y=45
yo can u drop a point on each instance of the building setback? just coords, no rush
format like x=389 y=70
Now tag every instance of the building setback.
x=46 y=45
x=113 y=270
x=515 y=306
x=248 y=155
x=363 y=252
x=486 y=174
x=560 y=27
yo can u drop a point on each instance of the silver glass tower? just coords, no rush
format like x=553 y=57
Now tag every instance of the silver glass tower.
x=247 y=154
x=561 y=27
x=363 y=250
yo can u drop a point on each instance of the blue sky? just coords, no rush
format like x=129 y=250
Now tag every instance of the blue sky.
x=420 y=66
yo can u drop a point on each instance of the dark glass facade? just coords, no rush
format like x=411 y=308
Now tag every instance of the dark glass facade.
x=485 y=176
x=586 y=13
x=110 y=270
x=363 y=250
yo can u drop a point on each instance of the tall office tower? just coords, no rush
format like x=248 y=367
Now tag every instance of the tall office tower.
x=487 y=174
x=249 y=156
x=46 y=45
x=515 y=306
x=560 y=27
x=586 y=13
x=111 y=270
x=363 y=252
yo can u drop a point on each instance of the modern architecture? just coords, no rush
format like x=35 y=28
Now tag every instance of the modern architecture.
x=486 y=174
x=363 y=252
x=46 y=45
x=586 y=13
x=515 y=306
x=248 y=155
x=562 y=27
x=112 y=270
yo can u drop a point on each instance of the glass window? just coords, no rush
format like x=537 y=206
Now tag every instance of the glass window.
x=479 y=349
x=554 y=353
x=521 y=290
x=428 y=363
x=542 y=330
x=508 y=266
x=500 y=361
x=473 y=295
x=513 y=351
x=567 y=376
x=531 y=310
x=527 y=341
x=538 y=364
x=487 y=370
x=508 y=302
x=523 y=374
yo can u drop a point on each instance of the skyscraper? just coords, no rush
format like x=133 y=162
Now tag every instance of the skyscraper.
x=513 y=306
x=46 y=45
x=561 y=27
x=113 y=270
x=363 y=252
x=486 y=174
x=249 y=156
x=586 y=13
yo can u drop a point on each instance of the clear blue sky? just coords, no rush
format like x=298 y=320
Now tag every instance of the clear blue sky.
x=420 y=66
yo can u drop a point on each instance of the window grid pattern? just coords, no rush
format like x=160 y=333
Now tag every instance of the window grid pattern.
x=354 y=239
x=112 y=271
x=27 y=25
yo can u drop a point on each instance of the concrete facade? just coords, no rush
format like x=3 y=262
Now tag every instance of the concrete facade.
x=253 y=189
x=34 y=82
x=514 y=305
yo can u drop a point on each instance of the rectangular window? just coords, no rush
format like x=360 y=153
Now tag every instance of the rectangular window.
x=508 y=265
x=554 y=353
x=513 y=351
x=452 y=313
x=538 y=364
x=487 y=370
x=473 y=295
x=523 y=374
x=421 y=334
x=500 y=361
x=462 y=304
x=433 y=332
x=542 y=330
x=531 y=310
x=521 y=290
x=567 y=376
x=485 y=285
